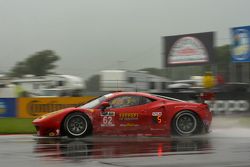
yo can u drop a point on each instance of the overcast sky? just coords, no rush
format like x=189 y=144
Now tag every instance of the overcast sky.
x=93 y=35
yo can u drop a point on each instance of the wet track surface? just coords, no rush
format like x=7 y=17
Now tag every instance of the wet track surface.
x=222 y=147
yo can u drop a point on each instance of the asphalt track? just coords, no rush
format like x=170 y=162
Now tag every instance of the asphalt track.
x=224 y=146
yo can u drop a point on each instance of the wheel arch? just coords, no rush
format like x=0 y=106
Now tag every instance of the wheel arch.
x=62 y=131
x=188 y=110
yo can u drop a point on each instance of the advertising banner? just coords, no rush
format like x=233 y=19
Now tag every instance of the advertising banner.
x=35 y=107
x=188 y=49
x=224 y=103
x=240 y=44
x=7 y=107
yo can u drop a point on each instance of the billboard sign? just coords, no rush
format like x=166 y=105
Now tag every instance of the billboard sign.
x=35 y=107
x=188 y=49
x=240 y=44
x=7 y=107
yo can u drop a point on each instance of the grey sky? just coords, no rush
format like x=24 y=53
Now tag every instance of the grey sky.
x=92 y=35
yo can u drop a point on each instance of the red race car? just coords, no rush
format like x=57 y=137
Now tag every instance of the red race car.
x=127 y=113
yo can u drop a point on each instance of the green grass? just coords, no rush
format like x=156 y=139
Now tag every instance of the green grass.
x=16 y=126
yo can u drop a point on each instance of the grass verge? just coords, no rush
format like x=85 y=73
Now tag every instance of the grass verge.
x=16 y=126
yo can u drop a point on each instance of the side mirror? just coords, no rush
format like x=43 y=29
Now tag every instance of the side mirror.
x=104 y=105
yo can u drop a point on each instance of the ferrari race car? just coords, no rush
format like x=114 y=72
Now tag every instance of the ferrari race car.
x=125 y=114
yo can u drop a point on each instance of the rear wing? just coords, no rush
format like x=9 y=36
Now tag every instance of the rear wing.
x=206 y=96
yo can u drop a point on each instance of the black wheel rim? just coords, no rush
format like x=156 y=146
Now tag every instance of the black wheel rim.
x=76 y=125
x=186 y=123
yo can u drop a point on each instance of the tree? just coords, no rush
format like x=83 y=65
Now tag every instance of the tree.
x=223 y=54
x=38 y=64
x=19 y=70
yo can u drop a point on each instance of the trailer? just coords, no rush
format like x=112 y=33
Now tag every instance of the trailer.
x=51 y=85
x=123 y=80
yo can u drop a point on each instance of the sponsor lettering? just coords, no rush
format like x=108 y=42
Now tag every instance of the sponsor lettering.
x=188 y=50
x=107 y=113
x=156 y=113
x=36 y=107
x=228 y=106
x=129 y=125
x=128 y=116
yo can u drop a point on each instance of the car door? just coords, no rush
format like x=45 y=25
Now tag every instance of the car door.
x=129 y=114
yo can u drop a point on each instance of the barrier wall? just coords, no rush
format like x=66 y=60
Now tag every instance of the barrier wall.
x=225 y=103
x=7 y=107
x=34 y=107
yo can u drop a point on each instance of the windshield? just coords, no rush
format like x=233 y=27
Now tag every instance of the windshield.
x=95 y=102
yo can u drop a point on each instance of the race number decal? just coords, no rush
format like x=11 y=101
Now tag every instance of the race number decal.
x=107 y=121
x=156 y=117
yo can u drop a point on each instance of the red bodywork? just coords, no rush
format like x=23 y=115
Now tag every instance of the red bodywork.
x=150 y=119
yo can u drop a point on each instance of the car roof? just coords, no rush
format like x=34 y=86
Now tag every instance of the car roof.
x=132 y=93
x=154 y=96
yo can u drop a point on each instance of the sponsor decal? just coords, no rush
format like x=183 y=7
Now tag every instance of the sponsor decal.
x=188 y=50
x=156 y=117
x=128 y=116
x=129 y=125
x=156 y=113
x=107 y=119
x=240 y=44
x=8 y=107
x=35 y=107
x=228 y=106
x=108 y=114
x=196 y=48
x=2 y=107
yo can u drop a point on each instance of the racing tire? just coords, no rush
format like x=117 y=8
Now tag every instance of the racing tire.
x=185 y=123
x=77 y=125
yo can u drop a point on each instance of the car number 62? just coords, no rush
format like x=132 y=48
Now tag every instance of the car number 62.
x=107 y=121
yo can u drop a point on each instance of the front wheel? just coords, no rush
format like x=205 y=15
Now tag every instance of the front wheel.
x=77 y=125
x=185 y=123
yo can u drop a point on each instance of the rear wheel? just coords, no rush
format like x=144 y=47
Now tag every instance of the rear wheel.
x=185 y=123
x=76 y=125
